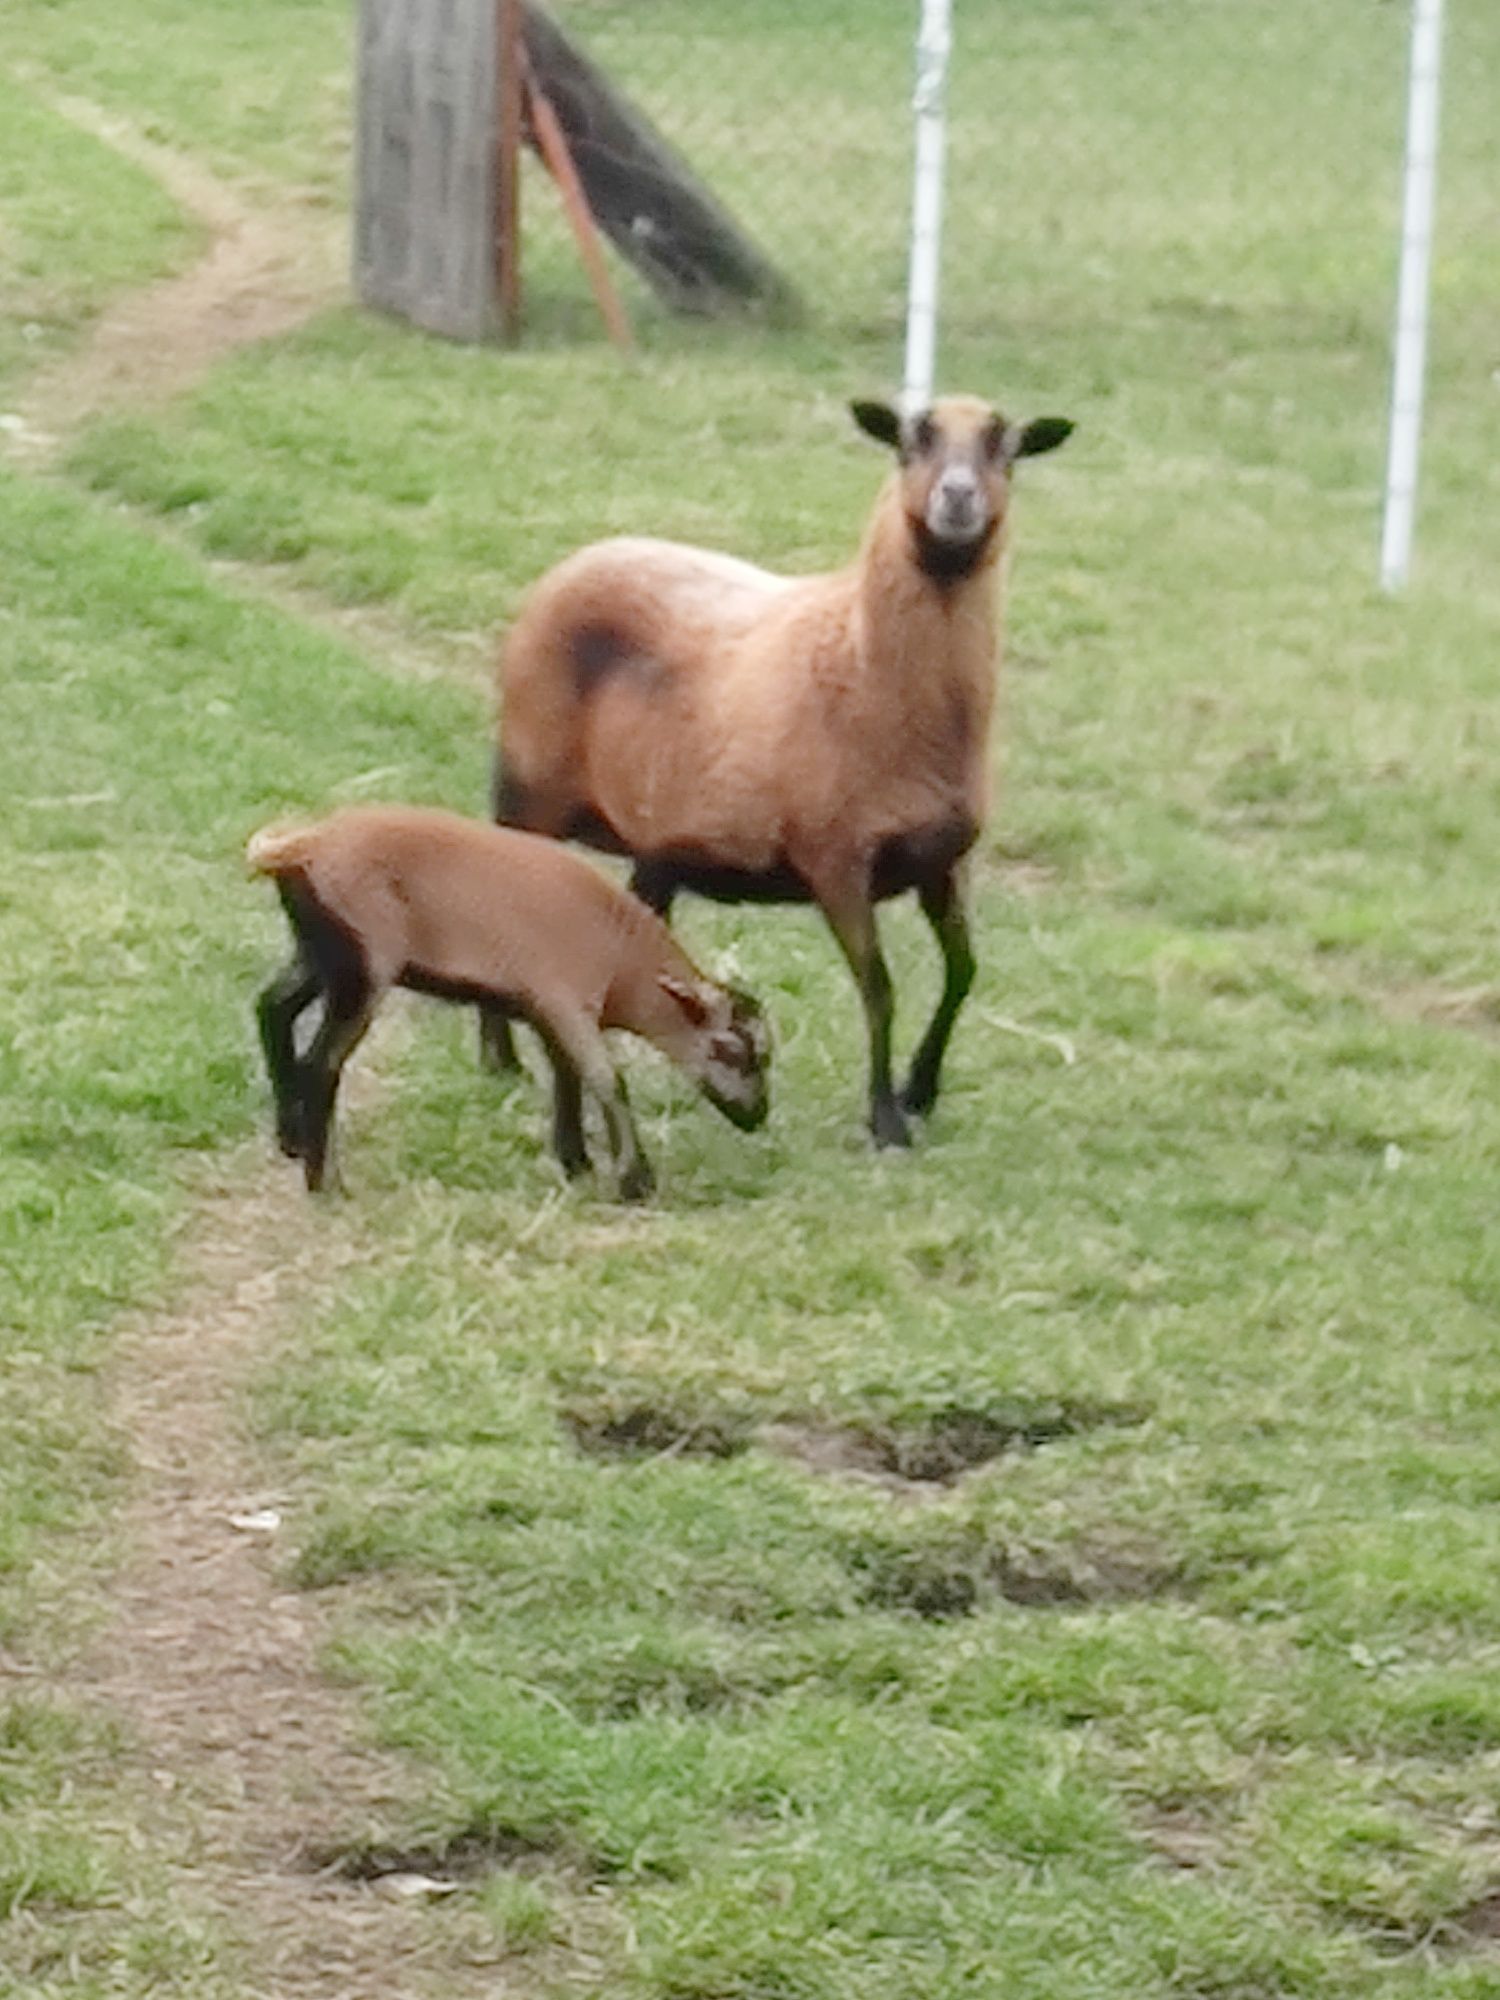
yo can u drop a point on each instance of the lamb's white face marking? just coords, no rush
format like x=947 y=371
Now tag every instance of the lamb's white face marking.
x=731 y=1054
x=735 y=1059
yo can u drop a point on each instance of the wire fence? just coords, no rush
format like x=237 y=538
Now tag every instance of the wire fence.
x=1108 y=160
x=1104 y=155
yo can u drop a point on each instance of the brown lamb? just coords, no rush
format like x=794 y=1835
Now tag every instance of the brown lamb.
x=383 y=896
x=758 y=737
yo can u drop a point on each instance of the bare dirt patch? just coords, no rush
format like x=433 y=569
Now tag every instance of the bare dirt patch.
x=1479 y=1925
x=463 y=1855
x=651 y=1430
x=972 y=1574
x=265 y=270
x=1473 y=1009
x=1470 y=1931
x=1183 y=1838
x=939 y=1449
x=932 y=1451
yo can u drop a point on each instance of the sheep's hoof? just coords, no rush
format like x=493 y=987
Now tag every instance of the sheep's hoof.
x=637 y=1183
x=917 y=1098
x=497 y=1046
x=888 y=1127
x=323 y=1178
x=574 y=1164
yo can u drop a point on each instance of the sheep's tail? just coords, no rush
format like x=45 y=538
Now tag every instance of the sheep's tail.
x=276 y=850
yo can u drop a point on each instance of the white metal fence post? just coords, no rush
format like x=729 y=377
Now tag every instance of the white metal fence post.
x=934 y=39
x=1412 y=293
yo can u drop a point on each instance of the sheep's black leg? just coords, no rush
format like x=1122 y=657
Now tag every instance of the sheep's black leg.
x=853 y=924
x=942 y=905
x=655 y=882
x=277 y=1012
x=497 y=1044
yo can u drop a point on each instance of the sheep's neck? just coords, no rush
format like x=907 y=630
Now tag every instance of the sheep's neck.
x=922 y=634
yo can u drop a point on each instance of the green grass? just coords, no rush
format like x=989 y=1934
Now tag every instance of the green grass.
x=1187 y=1693
x=259 y=92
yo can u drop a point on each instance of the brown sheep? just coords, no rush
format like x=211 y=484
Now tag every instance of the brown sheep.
x=758 y=737
x=383 y=896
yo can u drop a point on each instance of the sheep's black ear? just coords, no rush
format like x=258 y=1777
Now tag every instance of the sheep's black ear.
x=1043 y=434
x=687 y=997
x=879 y=421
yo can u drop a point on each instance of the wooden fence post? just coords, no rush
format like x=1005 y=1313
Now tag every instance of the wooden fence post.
x=425 y=193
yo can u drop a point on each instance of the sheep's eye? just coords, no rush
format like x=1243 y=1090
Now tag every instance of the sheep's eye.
x=923 y=435
x=994 y=438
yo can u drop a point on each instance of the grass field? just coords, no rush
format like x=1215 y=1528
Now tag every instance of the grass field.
x=1061 y=1563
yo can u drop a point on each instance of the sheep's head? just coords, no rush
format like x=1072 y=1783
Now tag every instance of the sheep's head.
x=721 y=1040
x=956 y=458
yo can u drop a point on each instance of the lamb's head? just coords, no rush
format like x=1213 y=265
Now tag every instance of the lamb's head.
x=720 y=1039
x=956 y=458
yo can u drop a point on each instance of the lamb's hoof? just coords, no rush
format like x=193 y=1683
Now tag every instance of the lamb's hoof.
x=917 y=1099
x=575 y=1165
x=638 y=1183
x=497 y=1048
x=888 y=1127
x=289 y=1139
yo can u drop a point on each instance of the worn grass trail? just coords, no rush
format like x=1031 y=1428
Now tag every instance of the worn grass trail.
x=249 y=1772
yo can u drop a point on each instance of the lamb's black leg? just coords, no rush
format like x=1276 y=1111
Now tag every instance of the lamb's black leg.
x=567 y=1111
x=942 y=904
x=852 y=922
x=655 y=882
x=581 y=1051
x=497 y=1043
x=342 y=1029
x=633 y=1174
x=277 y=1012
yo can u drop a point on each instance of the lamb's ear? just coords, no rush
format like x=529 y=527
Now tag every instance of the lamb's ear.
x=687 y=997
x=1041 y=434
x=879 y=421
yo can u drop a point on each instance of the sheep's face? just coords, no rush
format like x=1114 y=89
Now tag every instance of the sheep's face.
x=956 y=458
x=724 y=1045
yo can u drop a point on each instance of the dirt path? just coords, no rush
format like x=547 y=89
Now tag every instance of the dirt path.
x=249 y=1763
x=262 y=273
